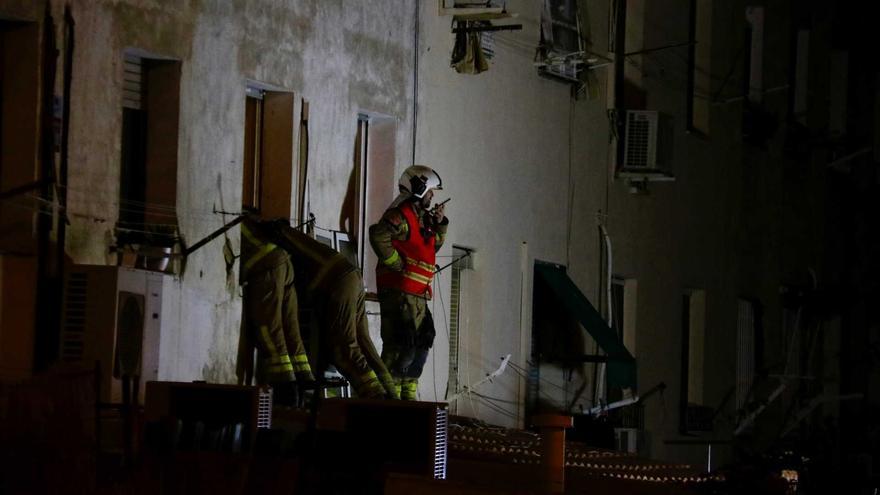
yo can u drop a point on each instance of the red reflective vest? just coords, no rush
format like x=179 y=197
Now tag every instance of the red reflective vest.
x=419 y=257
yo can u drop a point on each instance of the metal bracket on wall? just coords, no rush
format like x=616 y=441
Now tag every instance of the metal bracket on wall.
x=637 y=181
x=473 y=19
x=470 y=28
x=443 y=10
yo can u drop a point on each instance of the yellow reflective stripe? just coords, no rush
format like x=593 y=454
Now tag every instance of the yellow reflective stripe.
x=418 y=278
x=369 y=376
x=420 y=264
x=388 y=385
x=409 y=388
x=249 y=235
x=386 y=377
x=301 y=363
x=264 y=250
x=391 y=259
x=283 y=359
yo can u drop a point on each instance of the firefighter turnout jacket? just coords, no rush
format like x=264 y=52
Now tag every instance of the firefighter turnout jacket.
x=406 y=243
x=336 y=290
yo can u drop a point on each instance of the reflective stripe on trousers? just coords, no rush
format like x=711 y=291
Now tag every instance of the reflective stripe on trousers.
x=408 y=388
x=301 y=363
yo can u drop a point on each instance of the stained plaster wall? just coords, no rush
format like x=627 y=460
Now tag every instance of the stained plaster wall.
x=733 y=223
x=511 y=148
x=503 y=143
x=343 y=58
x=678 y=236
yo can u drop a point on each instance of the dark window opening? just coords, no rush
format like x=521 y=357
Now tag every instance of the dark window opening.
x=147 y=228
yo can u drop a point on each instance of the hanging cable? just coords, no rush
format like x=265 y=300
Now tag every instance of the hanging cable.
x=415 y=80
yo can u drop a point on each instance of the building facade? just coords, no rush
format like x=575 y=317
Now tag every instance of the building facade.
x=169 y=117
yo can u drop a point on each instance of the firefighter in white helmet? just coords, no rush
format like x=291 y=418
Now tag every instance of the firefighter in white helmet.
x=406 y=240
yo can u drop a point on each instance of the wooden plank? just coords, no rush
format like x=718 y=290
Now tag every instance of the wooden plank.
x=133 y=67
x=277 y=155
x=132 y=86
x=131 y=99
x=133 y=77
x=162 y=103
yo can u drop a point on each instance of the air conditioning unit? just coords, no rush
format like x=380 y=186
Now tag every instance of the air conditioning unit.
x=640 y=140
x=112 y=315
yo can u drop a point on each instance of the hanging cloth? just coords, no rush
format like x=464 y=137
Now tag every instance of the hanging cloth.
x=467 y=54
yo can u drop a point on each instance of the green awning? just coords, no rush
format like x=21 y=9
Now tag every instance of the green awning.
x=621 y=370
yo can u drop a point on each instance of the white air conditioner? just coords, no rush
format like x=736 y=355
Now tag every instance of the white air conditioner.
x=640 y=140
x=627 y=439
x=112 y=316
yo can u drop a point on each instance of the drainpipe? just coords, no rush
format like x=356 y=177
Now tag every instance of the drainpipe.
x=619 y=78
x=415 y=117
x=61 y=241
x=46 y=323
x=552 y=427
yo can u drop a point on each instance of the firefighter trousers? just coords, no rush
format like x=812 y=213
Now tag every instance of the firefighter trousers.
x=271 y=305
x=343 y=318
x=407 y=335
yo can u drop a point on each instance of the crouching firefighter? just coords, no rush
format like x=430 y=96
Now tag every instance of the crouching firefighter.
x=336 y=290
x=271 y=313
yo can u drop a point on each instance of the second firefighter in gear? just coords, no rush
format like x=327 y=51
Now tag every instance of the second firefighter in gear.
x=336 y=290
x=271 y=312
x=406 y=240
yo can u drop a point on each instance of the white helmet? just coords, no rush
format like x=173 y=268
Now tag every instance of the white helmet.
x=417 y=180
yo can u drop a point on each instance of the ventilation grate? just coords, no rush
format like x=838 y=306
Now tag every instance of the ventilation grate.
x=74 y=333
x=133 y=83
x=440 y=443
x=641 y=140
x=264 y=411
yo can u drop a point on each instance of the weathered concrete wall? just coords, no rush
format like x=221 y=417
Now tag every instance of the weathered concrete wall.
x=343 y=58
